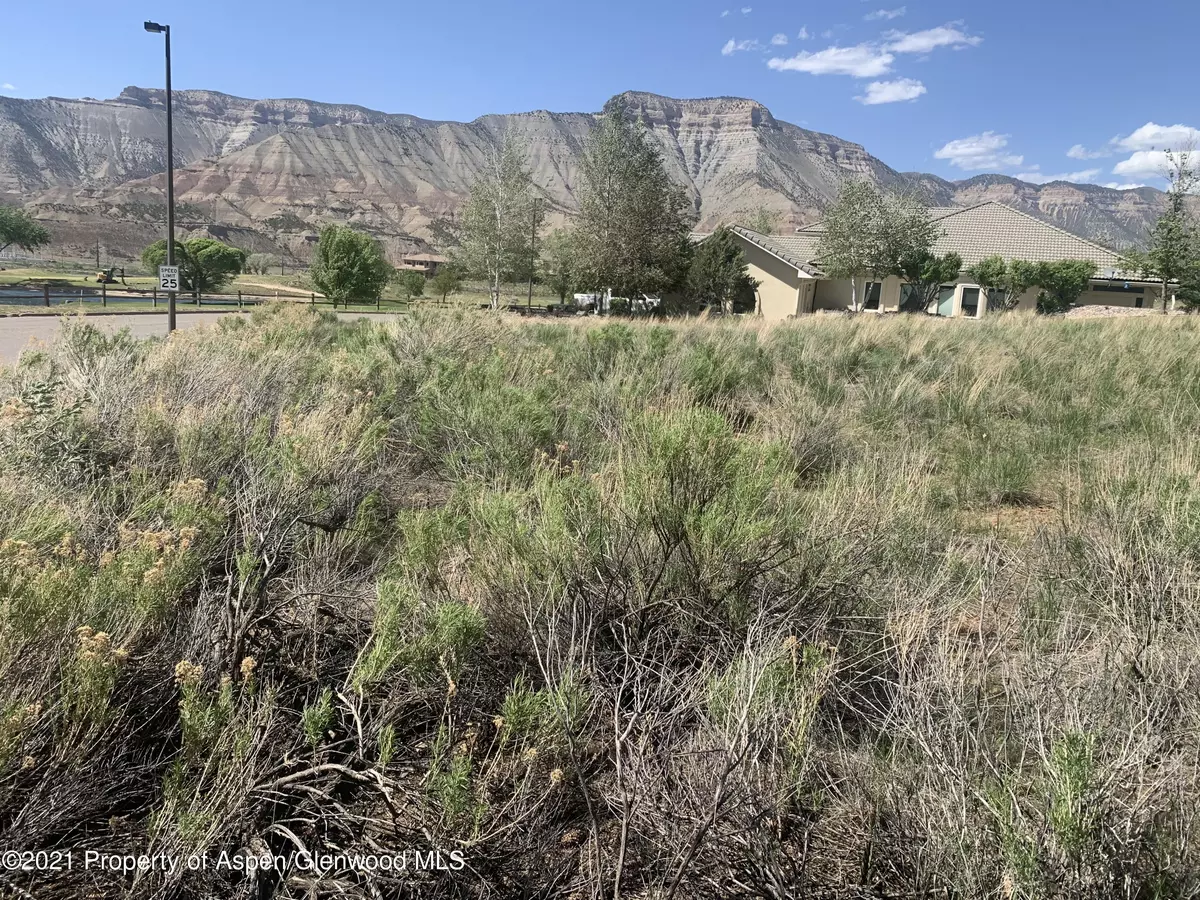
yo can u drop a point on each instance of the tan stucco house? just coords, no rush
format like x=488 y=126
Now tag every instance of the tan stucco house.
x=792 y=283
x=427 y=263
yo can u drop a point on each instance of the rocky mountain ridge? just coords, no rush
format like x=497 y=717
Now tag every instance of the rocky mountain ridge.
x=94 y=168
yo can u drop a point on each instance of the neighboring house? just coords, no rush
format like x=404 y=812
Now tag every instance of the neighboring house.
x=422 y=262
x=792 y=283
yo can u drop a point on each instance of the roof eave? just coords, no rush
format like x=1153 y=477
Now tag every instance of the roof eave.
x=760 y=241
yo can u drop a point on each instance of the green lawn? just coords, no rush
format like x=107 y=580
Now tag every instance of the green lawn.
x=290 y=286
x=35 y=278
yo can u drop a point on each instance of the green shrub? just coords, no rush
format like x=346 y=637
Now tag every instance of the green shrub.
x=316 y=718
x=719 y=374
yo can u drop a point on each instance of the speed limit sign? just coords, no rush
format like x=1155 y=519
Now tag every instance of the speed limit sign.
x=168 y=278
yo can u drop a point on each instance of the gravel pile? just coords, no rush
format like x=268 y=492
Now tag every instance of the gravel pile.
x=1100 y=312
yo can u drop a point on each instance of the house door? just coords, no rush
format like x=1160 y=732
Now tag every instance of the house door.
x=872 y=295
x=970 y=303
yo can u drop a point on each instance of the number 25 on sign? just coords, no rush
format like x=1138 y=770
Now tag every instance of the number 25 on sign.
x=168 y=278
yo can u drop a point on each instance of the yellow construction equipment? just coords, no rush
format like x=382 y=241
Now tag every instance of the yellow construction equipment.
x=110 y=275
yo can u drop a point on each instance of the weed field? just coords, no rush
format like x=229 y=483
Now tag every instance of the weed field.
x=852 y=608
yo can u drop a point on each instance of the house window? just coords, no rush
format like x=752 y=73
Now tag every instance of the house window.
x=945 y=305
x=1125 y=288
x=910 y=299
x=874 y=291
x=970 y=302
x=996 y=299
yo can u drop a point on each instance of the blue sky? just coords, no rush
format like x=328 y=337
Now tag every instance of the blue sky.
x=1037 y=88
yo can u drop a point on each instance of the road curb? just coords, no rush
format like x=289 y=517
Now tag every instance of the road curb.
x=118 y=312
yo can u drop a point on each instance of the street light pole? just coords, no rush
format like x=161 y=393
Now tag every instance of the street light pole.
x=165 y=30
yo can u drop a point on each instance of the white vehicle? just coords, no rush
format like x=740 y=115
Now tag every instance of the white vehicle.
x=606 y=302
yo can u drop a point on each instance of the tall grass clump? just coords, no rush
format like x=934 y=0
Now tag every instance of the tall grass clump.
x=843 y=608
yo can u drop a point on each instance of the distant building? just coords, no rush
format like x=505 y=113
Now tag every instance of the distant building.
x=428 y=263
x=792 y=282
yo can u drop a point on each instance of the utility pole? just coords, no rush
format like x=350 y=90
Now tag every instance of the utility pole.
x=165 y=30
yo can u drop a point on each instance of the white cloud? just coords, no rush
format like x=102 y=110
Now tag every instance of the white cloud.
x=1159 y=137
x=1148 y=147
x=1085 y=176
x=980 y=151
x=804 y=35
x=1144 y=164
x=1081 y=152
x=779 y=40
x=724 y=14
x=7 y=87
x=859 y=61
x=732 y=46
x=1117 y=186
x=892 y=91
x=746 y=10
x=886 y=14
x=827 y=33
x=930 y=39
x=1150 y=137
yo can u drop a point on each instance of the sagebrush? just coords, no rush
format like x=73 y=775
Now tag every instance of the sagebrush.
x=886 y=608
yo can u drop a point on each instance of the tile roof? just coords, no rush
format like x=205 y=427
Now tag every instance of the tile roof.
x=973 y=232
x=935 y=213
x=779 y=246
x=801 y=246
x=940 y=212
x=993 y=229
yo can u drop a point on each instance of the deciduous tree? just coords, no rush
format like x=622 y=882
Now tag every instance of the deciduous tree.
x=259 y=263
x=496 y=218
x=447 y=281
x=204 y=264
x=925 y=274
x=1004 y=283
x=1173 y=251
x=633 y=220
x=763 y=220
x=1062 y=283
x=867 y=234
x=411 y=283
x=349 y=265
x=18 y=228
x=560 y=263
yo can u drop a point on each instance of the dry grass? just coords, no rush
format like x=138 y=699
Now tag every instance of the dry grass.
x=845 y=608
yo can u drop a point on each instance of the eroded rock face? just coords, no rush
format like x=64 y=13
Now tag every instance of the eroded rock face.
x=1114 y=218
x=95 y=167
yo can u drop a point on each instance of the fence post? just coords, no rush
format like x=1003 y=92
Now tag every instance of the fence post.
x=239 y=299
x=104 y=295
x=46 y=293
x=154 y=298
x=312 y=299
x=377 y=302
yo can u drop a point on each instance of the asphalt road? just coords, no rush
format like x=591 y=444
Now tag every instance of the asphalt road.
x=17 y=331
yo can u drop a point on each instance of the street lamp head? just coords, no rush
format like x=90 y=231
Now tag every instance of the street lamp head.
x=155 y=27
